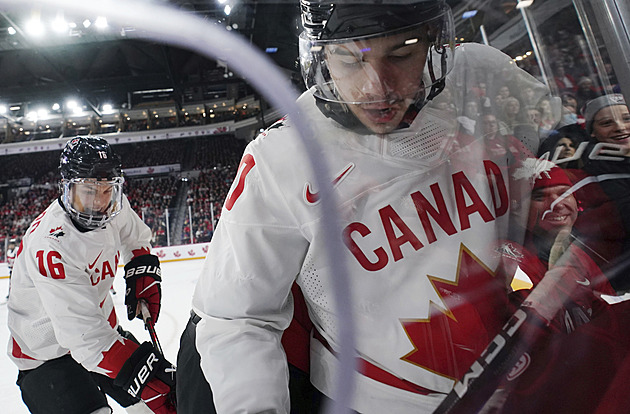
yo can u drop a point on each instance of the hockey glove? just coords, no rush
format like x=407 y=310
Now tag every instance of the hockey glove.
x=143 y=277
x=149 y=376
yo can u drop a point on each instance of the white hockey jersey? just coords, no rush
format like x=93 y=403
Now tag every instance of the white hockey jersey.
x=11 y=257
x=60 y=298
x=421 y=210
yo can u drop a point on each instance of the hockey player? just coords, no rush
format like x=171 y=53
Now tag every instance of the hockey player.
x=65 y=338
x=11 y=251
x=420 y=203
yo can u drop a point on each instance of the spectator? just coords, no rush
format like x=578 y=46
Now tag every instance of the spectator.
x=605 y=218
x=570 y=110
x=561 y=146
x=585 y=91
x=564 y=81
x=586 y=335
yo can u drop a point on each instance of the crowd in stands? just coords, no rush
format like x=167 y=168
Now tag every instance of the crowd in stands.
x=146 y=154
x=206 y=194
x=32 y=182
x=150 y=198
x=208 y=190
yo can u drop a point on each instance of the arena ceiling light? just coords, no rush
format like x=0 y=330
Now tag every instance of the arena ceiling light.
x=71 y=104
x=34 y=27
x=101 y=22
x=60 y=25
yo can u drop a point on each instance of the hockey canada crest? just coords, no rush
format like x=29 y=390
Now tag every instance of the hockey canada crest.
x=57 y=232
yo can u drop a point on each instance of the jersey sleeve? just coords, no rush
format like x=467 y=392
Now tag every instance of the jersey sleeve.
x=243 y=294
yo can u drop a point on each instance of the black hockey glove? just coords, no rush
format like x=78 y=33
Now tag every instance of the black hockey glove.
x=143 y=277
x=147 y=375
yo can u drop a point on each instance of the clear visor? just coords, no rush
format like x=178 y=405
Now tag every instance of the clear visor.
x=388 y=67
x=93 y=202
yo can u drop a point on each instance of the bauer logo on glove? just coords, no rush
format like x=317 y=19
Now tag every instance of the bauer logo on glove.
x=143 y=277
x=142 y=376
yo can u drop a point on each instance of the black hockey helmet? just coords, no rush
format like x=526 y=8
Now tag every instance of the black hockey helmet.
x=332 y=22
x=357 y=18
x=89 y=157
x=91 y=181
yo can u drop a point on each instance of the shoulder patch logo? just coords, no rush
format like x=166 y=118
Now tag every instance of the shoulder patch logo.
x=57 y=232
x=276 y=125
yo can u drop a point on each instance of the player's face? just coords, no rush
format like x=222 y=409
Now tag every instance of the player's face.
x=92 y=196
x=612 y=125
x=547 y=222
x=381 y=76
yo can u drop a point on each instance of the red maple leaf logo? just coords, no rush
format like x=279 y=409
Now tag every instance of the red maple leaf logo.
x=177 y=254
x=54 y=230
x=472 y=310
x=191 y=252
x=160 y=253
x=205 y=248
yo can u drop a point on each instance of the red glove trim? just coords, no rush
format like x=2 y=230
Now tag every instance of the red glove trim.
x=115 y=357
x=140 y=252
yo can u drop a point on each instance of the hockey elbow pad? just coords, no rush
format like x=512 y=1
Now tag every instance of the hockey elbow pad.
x=143 y=277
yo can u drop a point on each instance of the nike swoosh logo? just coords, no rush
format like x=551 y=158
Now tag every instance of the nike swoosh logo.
x=148 y=287
x=95 y=260
x=584 y=282
x=313 y=197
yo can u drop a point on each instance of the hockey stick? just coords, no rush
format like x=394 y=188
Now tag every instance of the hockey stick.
x=150 y=326
x=481 y=380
